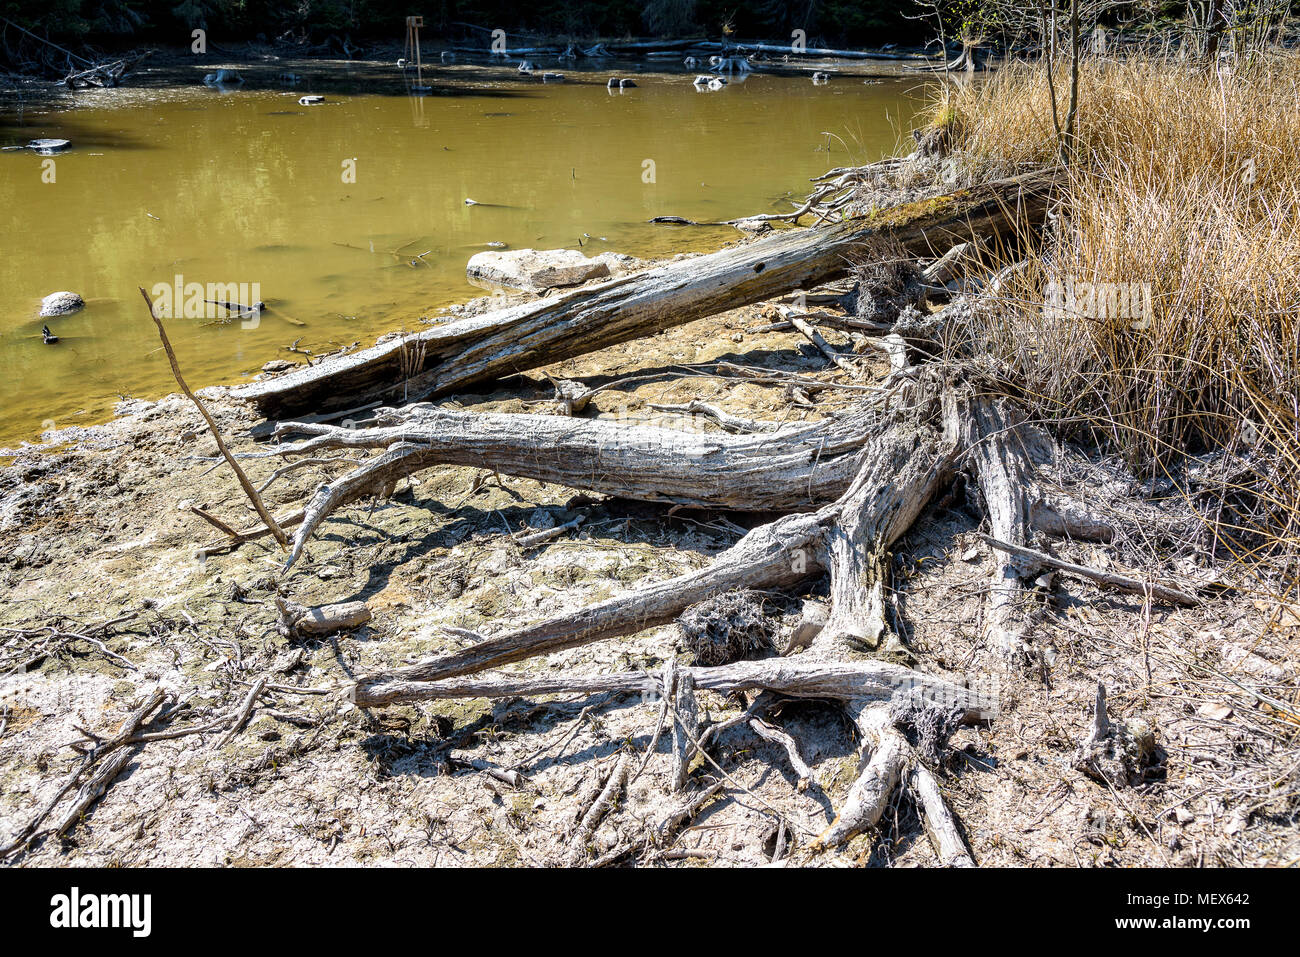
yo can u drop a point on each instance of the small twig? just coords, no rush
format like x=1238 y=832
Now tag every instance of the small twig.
x=1114 y=580
x=537 y=538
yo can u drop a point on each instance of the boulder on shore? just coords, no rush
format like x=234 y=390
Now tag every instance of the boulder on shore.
x=536 y=270
x=60 y=304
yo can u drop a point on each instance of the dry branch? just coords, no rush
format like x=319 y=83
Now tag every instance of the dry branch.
x=216 y=432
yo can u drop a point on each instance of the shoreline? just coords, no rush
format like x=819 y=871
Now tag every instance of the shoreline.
x=515 y=525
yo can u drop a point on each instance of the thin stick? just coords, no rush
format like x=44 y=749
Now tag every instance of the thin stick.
x=214 y=521
x=1121 y=582
x=216 y=432
x=815 y=337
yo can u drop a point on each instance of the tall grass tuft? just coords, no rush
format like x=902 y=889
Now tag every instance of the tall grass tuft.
x=1185 y=192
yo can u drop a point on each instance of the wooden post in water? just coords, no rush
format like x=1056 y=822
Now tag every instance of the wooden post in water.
x=413 y=25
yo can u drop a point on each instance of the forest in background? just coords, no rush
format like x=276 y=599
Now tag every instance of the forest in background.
x=107 y=22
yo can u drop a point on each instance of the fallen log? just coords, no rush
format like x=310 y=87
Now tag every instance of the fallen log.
x=503 y=342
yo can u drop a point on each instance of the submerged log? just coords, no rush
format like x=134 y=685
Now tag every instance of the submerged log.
x=503 y=342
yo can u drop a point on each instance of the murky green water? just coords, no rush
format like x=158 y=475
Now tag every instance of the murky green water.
x=249 y=187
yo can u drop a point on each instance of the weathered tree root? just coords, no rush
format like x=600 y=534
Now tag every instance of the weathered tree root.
x=888 y=762
x=901 y=467
x=888 y=753
x=997 y=443
x=798 y=466
x=904 y=463
x=902 y=458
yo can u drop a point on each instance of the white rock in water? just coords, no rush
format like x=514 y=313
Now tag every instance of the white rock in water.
x=47 y=146
x=61 y=304
x=222 y=78
x=313 y=100
x=535 y=270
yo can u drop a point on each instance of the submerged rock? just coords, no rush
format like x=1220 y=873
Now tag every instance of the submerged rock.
x=223 y=78
x=536 y=270
x=46 y=146
x=61 y=304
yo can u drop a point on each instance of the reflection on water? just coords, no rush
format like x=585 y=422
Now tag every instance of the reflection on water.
x=351 y=215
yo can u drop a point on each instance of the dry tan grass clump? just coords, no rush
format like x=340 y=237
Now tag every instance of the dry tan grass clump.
x=1161 y=313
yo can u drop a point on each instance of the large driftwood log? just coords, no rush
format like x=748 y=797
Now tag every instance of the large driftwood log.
x=503 y=342
x=801 y=466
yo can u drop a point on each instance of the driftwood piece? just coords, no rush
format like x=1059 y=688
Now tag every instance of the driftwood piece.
x=545 y=535
x=870 y=793
x=297 y=621
x=778 y=737
x=948 y=266
x=812 y=335
x=119 y=753
x=779 y=553
x=504 y=342
x=797 y=677
x=940 y=825
x=729 y=423
x=679 y=687
x=892 y=487
x=604 y=802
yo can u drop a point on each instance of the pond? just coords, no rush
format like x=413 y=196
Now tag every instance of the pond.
x=349 y=218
